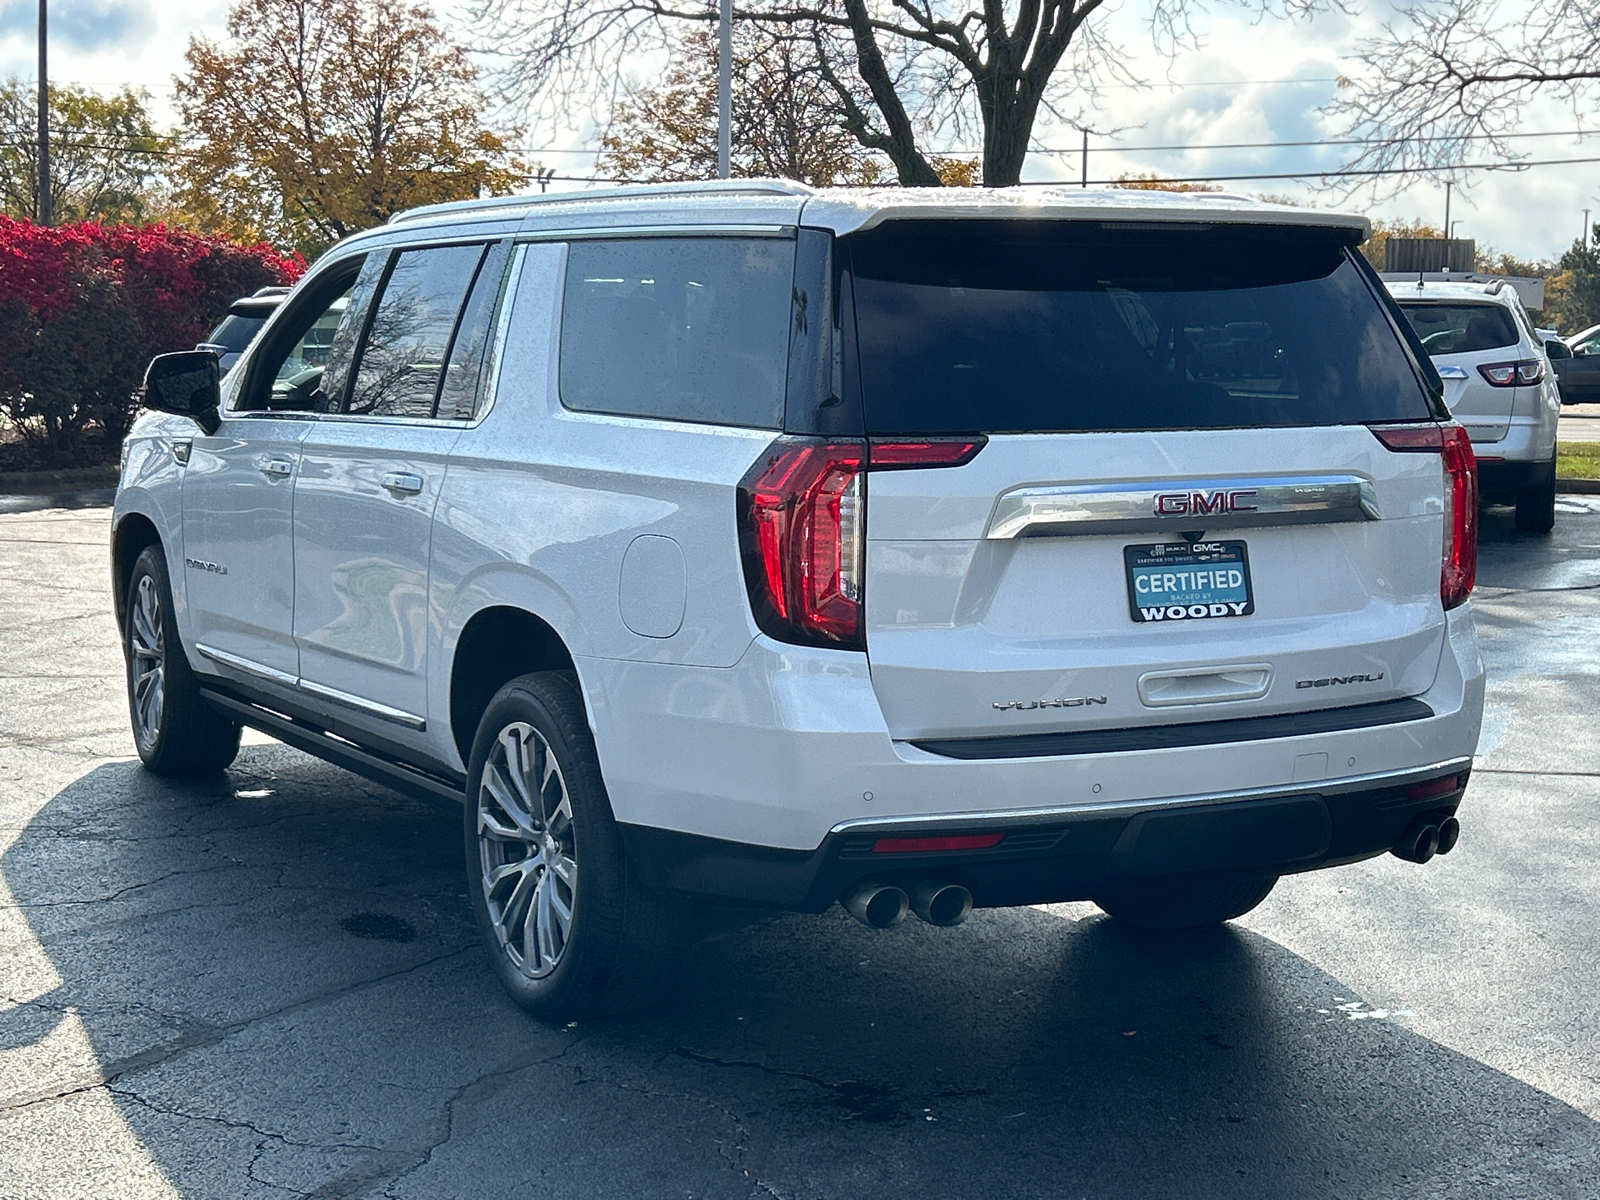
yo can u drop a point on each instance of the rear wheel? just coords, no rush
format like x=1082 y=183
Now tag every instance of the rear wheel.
x=1536 y=506
x=1184 y=903
x=176 y=732
x=571 y=928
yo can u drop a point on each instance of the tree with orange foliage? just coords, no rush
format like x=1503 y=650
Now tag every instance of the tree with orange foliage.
x=318 y=118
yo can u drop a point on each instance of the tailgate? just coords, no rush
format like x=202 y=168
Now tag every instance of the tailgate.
x=1000 y=596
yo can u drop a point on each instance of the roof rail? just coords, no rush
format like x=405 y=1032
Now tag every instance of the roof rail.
x=713 y=187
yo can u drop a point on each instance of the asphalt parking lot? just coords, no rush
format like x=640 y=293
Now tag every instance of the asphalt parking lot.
x=266 y=986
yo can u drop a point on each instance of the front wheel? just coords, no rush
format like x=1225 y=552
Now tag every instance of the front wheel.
x=1184 y=903
x=176 y=732
x=571 y=928
x=1536 y=506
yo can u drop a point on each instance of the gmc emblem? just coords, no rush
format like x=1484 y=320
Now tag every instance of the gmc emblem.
x=1197 y=504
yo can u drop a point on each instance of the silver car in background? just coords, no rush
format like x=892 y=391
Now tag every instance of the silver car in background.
x=1498 y=383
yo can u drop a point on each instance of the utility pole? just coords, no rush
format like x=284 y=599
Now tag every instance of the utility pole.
x=724 y=90
x=1447 y=186
x=45 y=207
x=1583 y=238
x=1085 y=176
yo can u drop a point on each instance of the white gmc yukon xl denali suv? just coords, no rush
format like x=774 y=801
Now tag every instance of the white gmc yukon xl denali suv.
x=748 y=544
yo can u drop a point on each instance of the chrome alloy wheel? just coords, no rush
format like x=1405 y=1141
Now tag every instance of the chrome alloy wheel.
x=147 y=661
x=526 y=849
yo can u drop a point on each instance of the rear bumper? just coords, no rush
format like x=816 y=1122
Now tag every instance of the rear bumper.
x=1503 y=479
x=789 y=747
x=1068 y=854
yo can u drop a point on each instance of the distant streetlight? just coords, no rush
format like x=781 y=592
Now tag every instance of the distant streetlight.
x=724 y=90
x=45 y=207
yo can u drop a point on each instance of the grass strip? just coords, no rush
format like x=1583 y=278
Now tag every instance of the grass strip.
x=1578 y=460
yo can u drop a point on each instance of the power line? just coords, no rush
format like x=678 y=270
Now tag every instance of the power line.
x=1513 y=165
x=1465 y=137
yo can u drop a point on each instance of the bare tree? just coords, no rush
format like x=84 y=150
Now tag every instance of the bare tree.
x=1451 y=80
x=901 y=71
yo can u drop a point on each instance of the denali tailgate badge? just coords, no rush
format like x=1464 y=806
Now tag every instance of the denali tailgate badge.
x=1066 y=702
x=1336 y=680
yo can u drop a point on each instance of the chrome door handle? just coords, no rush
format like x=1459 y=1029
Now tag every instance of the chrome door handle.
x=277 y=468
x=402 y=484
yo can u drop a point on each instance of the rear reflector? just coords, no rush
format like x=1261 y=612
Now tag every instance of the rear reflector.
x=1433 y=787
x=932 y=845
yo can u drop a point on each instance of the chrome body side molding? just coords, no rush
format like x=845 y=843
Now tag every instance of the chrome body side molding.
x=284 y=679
x=1056 y=510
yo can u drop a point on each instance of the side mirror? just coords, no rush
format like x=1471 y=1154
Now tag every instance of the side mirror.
x=1557 y=349
x=188 y=383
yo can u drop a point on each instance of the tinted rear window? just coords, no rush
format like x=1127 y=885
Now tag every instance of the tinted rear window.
x=1461 y=328
x=1033 y=328
x=235 y=332
x=689 y=329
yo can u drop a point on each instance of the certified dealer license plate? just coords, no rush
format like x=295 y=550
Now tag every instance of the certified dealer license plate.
x=1183 y=581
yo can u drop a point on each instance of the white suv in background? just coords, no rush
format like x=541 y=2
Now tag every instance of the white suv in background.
x=1498 y=384
x=744 y=544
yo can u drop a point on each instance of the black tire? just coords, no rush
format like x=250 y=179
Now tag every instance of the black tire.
x=1185 y=903
x=1536 y=506
x=176 y=732
x=621 y=938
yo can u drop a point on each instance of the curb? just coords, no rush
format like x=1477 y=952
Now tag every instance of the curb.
x=1579 y=487
x=34 y=483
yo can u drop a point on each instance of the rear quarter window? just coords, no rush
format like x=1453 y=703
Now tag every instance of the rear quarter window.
x=1040 y=327
x=684 y=329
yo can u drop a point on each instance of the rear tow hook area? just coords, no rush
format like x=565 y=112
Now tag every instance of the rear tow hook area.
x=879 y=905
x=1427 y=835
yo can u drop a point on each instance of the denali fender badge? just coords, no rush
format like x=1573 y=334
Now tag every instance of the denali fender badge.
x=198 y=564
x=1066 y=702
x=1336 y=680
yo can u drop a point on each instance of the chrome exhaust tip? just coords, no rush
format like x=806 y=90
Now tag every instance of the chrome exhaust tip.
x=877 y=905
x=940 y=903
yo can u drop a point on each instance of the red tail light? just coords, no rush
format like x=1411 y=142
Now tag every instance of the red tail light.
x=1522 y=373
x=1459 y=569
x=803 y=529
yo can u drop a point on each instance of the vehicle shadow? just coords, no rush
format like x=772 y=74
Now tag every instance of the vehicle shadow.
x=282 y=994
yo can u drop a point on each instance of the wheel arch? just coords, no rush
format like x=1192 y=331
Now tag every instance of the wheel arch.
x=496 y=645
x=133 y=533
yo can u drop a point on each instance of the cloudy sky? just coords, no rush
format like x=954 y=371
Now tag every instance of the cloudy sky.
x=1251 y=81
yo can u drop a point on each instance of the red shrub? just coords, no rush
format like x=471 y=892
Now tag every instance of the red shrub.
x=84 y=308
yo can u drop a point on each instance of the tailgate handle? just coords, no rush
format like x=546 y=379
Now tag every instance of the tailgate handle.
x=1205 y=685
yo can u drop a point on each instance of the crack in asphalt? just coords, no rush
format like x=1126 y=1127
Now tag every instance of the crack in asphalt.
x=389 y=1164
x=1521 y=771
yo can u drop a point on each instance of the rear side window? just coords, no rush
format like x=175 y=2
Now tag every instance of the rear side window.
x=1014 y=327
x=1461 y=328
x=408 y=337
x=235 y=332
x=686 y=329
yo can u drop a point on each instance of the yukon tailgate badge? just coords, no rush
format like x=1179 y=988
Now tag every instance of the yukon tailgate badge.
x=1064 y=702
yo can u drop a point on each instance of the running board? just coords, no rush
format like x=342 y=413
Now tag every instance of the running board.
x=336 y=750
